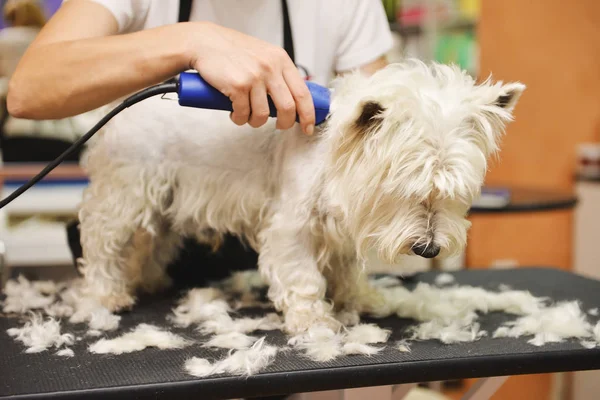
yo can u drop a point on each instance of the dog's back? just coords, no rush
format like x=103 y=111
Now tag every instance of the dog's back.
x=195 y=165
x=159 y=131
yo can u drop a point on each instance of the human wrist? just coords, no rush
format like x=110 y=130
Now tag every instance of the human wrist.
x=193 y=36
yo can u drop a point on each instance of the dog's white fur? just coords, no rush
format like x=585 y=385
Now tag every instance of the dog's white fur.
x=40 y=334
x=243 y=362
x=141 y=337
x=402 y=156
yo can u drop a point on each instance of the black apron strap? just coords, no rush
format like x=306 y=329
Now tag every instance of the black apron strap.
x=3 y=120
x=185 y=9
x=288 y=39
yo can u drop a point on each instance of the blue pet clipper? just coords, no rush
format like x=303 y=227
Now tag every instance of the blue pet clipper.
x=195 y=92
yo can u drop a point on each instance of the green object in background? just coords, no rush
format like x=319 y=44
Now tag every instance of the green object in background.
x=390 y=7
x=457 y=48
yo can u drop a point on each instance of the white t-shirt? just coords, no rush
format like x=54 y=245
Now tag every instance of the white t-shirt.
x=329 y=35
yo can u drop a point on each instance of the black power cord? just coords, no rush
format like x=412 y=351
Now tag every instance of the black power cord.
x=168 y=87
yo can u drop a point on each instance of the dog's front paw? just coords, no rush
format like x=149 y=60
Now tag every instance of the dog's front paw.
x=348 y=317
x=157 y=285
x=299 y=321
x=116 y=303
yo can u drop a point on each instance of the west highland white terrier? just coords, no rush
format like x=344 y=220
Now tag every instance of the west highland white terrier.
x=394 y=169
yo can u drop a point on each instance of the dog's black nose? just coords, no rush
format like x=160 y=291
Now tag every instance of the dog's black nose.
x=426 y=250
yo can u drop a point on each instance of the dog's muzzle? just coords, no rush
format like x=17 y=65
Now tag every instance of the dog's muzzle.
x=426 y=250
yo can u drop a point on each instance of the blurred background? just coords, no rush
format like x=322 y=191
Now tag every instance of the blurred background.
x=541 y=203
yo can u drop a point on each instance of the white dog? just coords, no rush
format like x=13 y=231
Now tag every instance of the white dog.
x=395 y=168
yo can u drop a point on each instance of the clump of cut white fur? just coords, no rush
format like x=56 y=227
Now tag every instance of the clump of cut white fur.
x=223 y=325
x=208 y=308
x=66 y=353
x=39 y=335
x=385 y=282
x=403 y=346
x=448 y=332
x=76 y=304
x=319 y=343
x=444 y=279
x=596 y=332
x=143 y=336
x=243 y=362
x=231 y=340
x=355 y=348
x=589 y=344
x=357 y=339
x=548 y=325
x=199 y=305
x=60 y=300
x=23 y=295
x=367 y=333
x=322 y=344
x=450 y=314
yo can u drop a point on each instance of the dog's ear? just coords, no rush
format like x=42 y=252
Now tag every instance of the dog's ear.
x=369 y=115
x=509 y=96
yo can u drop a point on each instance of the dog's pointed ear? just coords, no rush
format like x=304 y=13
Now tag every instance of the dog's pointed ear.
x=509 y=95
x=369 y=115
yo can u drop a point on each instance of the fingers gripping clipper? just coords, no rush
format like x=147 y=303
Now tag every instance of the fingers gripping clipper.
x=193 y=91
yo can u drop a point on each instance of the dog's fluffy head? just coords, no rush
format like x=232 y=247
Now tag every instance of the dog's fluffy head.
x=410 y=146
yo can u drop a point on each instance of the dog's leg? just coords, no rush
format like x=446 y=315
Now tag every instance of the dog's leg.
x=104 y=265
x=345 y=283
x=296 y=285
x=352 y=293
x=116 y=228
x=165 y=248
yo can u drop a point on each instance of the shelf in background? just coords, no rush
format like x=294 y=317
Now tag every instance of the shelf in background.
x=12 y=171
x=459 y=24
x=410 y=30
x=31 y=226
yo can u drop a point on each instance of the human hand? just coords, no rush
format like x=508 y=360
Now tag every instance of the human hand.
x=246 y=69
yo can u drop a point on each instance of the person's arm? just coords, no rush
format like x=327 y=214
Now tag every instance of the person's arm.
x=371 y=67
x=365 y=36
x=77 y=64
x=374 y=66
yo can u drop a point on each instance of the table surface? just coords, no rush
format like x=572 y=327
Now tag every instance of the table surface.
x=581 y=178
x=158 y=374
x=531 y=199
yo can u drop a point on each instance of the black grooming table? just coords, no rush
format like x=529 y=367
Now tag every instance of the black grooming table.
x=158 y=374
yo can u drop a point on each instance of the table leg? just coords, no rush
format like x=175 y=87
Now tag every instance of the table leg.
x=485 y=388
x=373 y=392
x=324 y=395
x=396 y=392
x=401 y=391
x=4 y=271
